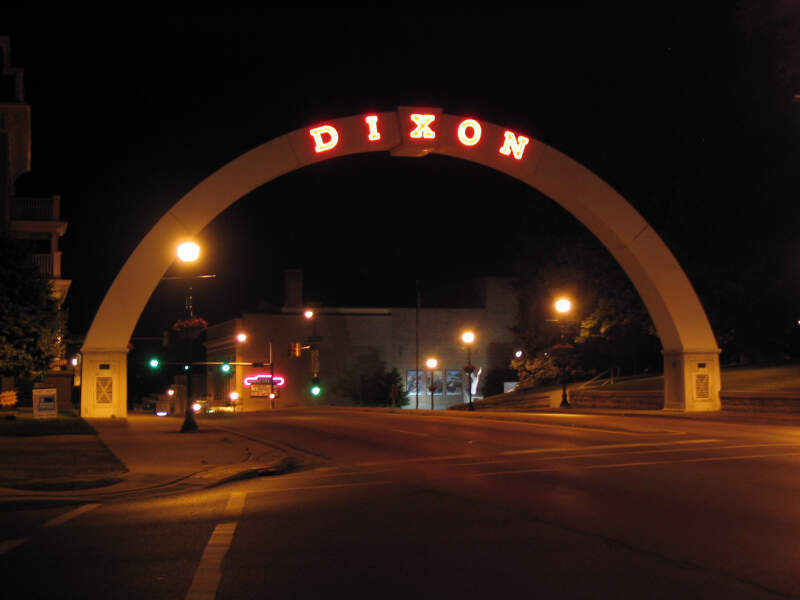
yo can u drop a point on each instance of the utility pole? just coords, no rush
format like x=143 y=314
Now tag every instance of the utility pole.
x=416 y=334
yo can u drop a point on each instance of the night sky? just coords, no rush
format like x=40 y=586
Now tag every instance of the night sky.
x=687 y=113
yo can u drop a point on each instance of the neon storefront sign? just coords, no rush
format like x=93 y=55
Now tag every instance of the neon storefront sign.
x=264 y=378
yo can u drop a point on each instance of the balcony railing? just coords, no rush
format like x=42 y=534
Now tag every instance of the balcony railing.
x=49 y=264
x=36 y=209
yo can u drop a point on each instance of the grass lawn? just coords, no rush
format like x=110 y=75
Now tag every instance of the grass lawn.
x=24 y=424
x=63 y=453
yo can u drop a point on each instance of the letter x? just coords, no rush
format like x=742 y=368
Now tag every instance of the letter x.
x=422 y=129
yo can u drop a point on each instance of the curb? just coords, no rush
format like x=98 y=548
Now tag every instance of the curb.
x=194 y=481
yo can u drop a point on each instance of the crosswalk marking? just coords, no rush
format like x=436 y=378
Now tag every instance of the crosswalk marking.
x=209 y=571
x=60 y=520
x=9 y=545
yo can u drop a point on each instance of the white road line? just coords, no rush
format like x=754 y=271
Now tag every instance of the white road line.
x=659 y=451
x=209 y=571
x=9 y=545
x=410 y=432
x=611 y=446
x=323 y=487
x=70 y=515
x=533 y=451
x=638 y=464
x=235 y=505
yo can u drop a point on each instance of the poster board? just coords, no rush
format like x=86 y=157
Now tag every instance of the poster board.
x=45 y=405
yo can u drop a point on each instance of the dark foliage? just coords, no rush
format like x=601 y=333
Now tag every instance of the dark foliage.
x=31 y=325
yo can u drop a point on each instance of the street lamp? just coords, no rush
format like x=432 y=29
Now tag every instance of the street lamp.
x=432 y=363
x=188 y=252
x=468 y=337
x=563 y=306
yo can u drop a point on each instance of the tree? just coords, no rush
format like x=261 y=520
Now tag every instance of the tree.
x=608 y=327
x=368 y=383
x=31 y=324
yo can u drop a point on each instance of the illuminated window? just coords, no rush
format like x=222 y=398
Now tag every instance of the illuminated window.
x=325 y=138
x=423 y=127
x=455 y=383
x=469 y=132
x=414 y=381
x=374 y=134
x=515 y=144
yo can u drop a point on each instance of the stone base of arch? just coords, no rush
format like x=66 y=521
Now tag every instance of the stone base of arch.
x=692 y=381
x=104 y=383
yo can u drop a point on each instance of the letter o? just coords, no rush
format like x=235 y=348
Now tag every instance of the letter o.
x=464 y=126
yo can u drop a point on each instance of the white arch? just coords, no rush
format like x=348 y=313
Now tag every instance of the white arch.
x=691 y=362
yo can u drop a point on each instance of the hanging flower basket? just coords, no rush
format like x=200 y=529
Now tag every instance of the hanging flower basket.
x=190 y=328
x=561 y=348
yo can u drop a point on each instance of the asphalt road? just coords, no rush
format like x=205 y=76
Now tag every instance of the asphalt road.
x=409 y=505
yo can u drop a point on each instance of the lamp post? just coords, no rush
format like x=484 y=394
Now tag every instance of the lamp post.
x=189 y=252
x=235 y=396
x=563 y=306
x=432 y=363
x=468 y=337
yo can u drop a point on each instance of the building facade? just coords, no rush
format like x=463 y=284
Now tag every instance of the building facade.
x=34 y=221
x=345 y=346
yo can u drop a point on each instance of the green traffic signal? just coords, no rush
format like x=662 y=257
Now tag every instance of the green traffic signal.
x=187 y=366
x=225 y=368
x=154 y=363
x=316 y=388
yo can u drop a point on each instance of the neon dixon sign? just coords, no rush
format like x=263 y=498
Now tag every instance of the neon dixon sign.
x=413 y=131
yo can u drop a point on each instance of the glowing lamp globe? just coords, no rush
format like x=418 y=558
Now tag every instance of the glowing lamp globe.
x=431 y=363
x=563 y=305
x=241 y=337
x=468 y=337
x=188 y=252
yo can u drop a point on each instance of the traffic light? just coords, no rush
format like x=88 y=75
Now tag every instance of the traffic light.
x=154 y=363
x=187 y=367
x=316 y=388
x=225 y=367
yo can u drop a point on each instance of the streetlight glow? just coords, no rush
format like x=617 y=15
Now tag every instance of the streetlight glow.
x=563 y=305
x=308 y=314
x=518 y=353
x=432 y=363
x=468 y=337
x=188 y=252
x=241 y=337
x=234 y=396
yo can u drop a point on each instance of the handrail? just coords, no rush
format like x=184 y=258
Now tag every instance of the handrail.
x=612 y=372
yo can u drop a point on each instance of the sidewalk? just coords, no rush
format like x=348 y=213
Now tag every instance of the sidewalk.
x=157 y=458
